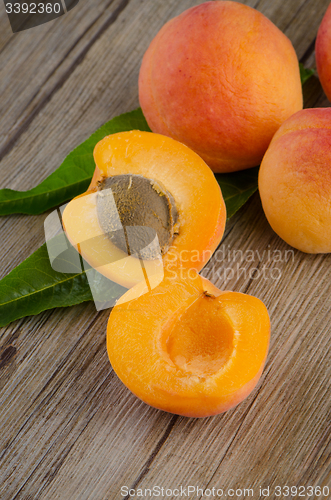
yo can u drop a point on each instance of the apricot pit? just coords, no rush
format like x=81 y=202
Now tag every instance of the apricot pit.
x=141 y=204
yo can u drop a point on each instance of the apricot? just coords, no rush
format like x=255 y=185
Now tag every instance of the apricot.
x=295 y=181
x=221 y=78
x=322 y=53
x=186 y=347
x=152 y=203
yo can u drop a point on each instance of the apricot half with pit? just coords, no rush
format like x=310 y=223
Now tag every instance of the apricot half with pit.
x=186 y=347
x=221 y=78
x=152 y=203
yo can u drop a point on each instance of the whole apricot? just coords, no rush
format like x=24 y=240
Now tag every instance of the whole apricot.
x=322 y=53
x=221 y=78
x=186 y=347
x=295 y=181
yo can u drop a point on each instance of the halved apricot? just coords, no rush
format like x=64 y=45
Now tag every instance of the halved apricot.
x=186 y=347
x=146 y=184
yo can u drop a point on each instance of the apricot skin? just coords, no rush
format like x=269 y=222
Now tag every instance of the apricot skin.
x=295 y=181
x=188 y=348
x=322 y=53
x=221 y=78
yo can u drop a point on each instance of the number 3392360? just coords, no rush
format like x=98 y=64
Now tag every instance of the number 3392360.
x=33 y=8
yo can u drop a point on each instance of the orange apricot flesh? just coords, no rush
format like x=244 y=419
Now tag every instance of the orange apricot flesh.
x=178 y=173
x=186 y=347
x=221 y=78
x=295 y=181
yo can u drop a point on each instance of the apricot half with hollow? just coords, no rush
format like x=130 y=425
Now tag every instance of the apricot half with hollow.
x=186 y=347
x=151 y=201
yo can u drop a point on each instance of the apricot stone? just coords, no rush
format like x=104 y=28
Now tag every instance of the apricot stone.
x=220 y=78
x=323 y=53
x=186 y=347
x=295 y=181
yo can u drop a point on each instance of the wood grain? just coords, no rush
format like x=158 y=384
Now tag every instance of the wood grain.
x=69 y=427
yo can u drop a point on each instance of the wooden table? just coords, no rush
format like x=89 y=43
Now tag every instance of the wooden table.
x=69 y=428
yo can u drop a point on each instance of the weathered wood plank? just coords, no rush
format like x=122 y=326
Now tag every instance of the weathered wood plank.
x=69 y=427
x=45 y=56
x=74 y=393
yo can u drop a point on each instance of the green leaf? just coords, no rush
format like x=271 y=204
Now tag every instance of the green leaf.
x=72 y=177
x=305 y=73
x=34 y=286
x=237 y=188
